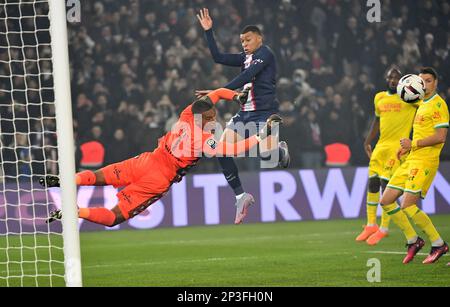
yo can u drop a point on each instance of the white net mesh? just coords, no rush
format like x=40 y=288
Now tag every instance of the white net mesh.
x=31 y=251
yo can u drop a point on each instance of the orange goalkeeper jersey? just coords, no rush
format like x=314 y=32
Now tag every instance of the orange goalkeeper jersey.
x=188 y=141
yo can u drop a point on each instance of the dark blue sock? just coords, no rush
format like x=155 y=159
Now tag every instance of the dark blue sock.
x=231 y=173
x=281 y=154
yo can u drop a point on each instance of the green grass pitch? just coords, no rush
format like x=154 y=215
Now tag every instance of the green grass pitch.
x=321 y=253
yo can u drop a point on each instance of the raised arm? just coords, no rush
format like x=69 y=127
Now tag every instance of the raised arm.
x=212 y=148
x=222 y=93
x=207 y=102
x=228 y=59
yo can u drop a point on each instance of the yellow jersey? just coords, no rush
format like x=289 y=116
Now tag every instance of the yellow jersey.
x=431 y=114
x=396 y=118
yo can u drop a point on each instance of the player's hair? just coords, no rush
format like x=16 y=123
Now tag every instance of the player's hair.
x=251 y=28
x=393 y=68
x=429 y=71
x=202 y=105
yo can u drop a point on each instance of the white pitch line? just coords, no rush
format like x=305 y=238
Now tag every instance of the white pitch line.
x=222 y=240
x=215 y=259
x=171 y=262
x=230 y=239
x=396 y=253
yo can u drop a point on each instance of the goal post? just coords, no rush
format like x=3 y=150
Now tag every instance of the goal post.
x=66 y=149
x=36 y=139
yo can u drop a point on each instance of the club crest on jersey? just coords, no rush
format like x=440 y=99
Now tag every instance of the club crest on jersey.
x=257 y=61
x=211 y=143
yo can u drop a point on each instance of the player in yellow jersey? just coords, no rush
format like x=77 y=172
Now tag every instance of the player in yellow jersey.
x=414 y=177
x=393 y=120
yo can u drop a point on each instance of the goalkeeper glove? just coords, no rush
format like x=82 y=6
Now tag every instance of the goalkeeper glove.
x=242 y=97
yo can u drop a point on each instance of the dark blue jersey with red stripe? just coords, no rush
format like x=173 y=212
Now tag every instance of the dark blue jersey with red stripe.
x=258 y=71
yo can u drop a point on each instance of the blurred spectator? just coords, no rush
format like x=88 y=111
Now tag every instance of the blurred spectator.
x=308 y=146
x=135 y=65
x=140 y=61
x=117 y=148
x=93 y=151
x=23 y=154
x=336 y=128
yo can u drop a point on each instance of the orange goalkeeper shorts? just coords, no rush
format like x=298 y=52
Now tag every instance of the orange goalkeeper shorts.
x=146 y=179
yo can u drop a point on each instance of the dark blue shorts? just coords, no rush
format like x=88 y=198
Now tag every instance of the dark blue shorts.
x=248 y=123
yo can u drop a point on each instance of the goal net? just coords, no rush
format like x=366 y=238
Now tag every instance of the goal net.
x=32 y=252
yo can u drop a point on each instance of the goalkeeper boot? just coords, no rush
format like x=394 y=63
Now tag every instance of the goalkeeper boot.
x=286 y=160
x=49 y=181
x=436 y=253
x=413 y=249
x=54 y=215
x=366 y=233
x=242 y=206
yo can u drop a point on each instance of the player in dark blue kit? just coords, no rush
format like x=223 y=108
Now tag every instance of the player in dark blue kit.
x=258 y=76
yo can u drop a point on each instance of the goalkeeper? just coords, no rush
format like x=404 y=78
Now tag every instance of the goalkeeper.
x=148 y=176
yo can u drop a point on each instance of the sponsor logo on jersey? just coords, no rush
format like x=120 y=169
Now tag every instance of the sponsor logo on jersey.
x=390 y=107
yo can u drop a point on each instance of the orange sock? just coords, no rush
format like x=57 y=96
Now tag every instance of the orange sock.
x=85 y=178
x=100 y=216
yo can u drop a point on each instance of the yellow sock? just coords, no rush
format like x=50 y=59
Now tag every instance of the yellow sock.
x=385 y=220
x=424 y=222
x=372 y=205
x=401 y=220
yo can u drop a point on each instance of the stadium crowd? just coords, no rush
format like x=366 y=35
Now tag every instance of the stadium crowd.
x=135 y=64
